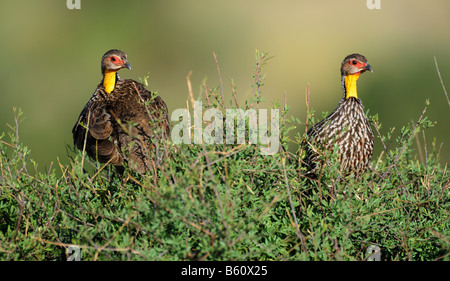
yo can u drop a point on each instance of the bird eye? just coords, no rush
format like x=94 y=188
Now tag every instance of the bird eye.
x=354 y=62
x=113 y=59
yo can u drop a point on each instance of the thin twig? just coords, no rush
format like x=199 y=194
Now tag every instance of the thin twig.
x=206 y=94
x=85 y=246
x=114 y=235
x=425 y=148
x=233 y=90
x=191 y=94
x=197 y=131
x=440 y=78
x=419 y=149
x=308 y=92
x=220 y=80
x=297 y=228
x=217 y=193
x=285 y=108
x=407 y=141
x=21 y=202
x=85 y=140
x=388 y=155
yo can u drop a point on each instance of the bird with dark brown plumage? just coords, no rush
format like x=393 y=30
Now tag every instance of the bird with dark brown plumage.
x=347 y=126
x=122 y=122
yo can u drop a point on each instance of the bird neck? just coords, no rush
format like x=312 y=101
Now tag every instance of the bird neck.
x=349 y=85
x=109 y=80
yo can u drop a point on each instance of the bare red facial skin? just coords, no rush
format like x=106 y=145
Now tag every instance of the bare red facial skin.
x=115 y=60
x=358 y=65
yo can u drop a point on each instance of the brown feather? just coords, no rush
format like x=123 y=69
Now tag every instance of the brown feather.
x=347 y=127
x=127 y=125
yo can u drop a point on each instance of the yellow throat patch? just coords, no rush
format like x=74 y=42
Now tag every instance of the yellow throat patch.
x=109 y=81
x=350 y=85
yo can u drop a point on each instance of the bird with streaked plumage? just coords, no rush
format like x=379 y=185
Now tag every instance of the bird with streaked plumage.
x=347 y=126
x=122 y=122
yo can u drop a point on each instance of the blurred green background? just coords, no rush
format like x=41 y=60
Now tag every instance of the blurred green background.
x=50 y=61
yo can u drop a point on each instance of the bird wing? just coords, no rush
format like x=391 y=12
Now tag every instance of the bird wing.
x=95 y=140
x=141 y=125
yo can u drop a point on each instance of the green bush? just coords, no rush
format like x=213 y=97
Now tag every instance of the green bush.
x=226 y=202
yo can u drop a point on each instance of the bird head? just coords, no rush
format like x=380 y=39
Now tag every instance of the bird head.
x=352 y=66
x=355 y=64
x=114 y=60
